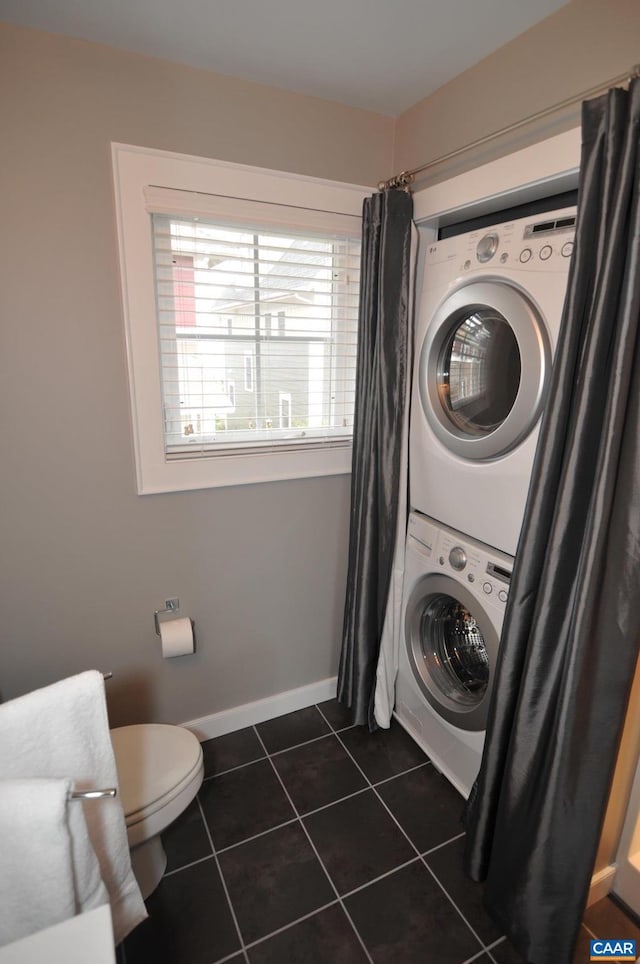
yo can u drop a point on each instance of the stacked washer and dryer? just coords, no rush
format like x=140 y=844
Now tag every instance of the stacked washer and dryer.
x=486 y=326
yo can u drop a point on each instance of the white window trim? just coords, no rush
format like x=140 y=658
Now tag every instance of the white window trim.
x=136 y=169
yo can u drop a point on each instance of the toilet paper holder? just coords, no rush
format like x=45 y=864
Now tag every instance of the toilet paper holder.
x=171 y=606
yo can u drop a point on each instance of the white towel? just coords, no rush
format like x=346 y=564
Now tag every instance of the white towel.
x=48 y=871
x=62 y=730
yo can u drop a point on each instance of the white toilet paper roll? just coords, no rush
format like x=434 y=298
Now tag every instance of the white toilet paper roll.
x=176 y=636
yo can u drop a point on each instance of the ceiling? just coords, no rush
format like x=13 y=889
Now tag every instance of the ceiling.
x=380 y=55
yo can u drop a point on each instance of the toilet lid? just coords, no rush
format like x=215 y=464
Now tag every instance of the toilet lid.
x=152 y=760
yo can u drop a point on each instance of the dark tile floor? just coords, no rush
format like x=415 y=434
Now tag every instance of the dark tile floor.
x=315 y=842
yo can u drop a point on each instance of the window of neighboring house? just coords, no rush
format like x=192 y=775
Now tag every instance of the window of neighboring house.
x=214 y=266
x=284 y=404
x=249 y=368
x=184 y=287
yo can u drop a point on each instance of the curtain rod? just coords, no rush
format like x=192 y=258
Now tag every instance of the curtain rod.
x=405 y=179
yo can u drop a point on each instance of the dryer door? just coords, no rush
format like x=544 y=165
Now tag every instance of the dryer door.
x=484 y=369
x=452 y=646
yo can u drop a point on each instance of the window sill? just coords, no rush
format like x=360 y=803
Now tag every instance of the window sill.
x=178 y=475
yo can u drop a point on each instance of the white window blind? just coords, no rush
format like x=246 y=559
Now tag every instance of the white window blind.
x=256 y=303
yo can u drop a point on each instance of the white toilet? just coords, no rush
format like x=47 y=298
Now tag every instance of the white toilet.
x=160 y=771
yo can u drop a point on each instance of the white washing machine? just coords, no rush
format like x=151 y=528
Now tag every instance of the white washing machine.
x=454 y=596
x=488 y=316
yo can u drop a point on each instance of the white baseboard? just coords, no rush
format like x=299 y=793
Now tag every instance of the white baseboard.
x=601 y=884
x=236 y=718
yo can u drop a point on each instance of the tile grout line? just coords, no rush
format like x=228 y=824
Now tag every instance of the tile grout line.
x=481 y=953
x=439 y=846
x=240 y=766
x=492 y=947
x=224 y=883
x=325 y=806
x=193 y=863
x=453 y=903
x=256 y=836
x=318 y=858
x=373 y=786
x=229 y=957
x=286 y=927
x=496 y=943
x=411 y=843
x=296 y=746
x=420 y=766
x=375 y=880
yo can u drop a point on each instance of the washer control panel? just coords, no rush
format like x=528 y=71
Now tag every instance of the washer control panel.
x=485 y=573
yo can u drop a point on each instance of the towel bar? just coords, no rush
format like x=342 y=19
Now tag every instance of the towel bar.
x=93 y=794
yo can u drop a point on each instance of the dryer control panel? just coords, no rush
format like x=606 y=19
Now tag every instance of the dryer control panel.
x=537 y=243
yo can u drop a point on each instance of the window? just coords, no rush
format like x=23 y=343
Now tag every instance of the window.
x=249 y=368
x=240 y=291
x=239 y=269
x=284 y=404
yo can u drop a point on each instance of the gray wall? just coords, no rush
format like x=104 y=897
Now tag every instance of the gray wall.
x=583 y=45
x=84 y=560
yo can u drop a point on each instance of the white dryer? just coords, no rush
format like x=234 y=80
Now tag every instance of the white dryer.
x=487 y=321
x=454 y=596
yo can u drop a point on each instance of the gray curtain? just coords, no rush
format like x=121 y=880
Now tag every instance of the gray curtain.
x=570 y=639
x=383 y=331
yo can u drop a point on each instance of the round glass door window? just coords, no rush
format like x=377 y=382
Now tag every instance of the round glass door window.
x=479 y=372
x=454 y=650
x=452 y=646
x=483 y=370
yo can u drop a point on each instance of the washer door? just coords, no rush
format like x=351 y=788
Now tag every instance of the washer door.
x=452 y=647
x=484 y=369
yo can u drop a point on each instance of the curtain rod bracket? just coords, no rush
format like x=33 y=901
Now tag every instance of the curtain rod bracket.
x=401 y=182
